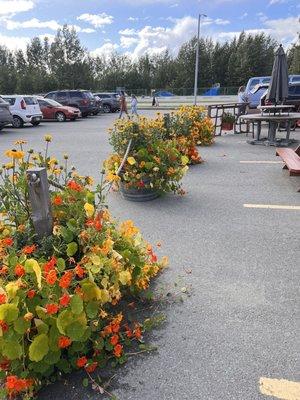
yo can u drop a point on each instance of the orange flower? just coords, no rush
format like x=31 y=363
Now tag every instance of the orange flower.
x=50 y=265
x=91 y=367
x=81 y=362
x=79 y=291
x=14 y=385
x=51 y=277
x=52 y=308
x=137 y=332
x=66 y=279
x=4 y=326
x=3 y=270
x=8 y=241
x=64 y=341
x=114 y=340
x=29 y=249
x=31 y=294
x=64 y=300
x=2 y=298
x=57 y=201
x=74 y=186
x=19 y=270
x=115 y=327
x=118 y=350
x=79 y=271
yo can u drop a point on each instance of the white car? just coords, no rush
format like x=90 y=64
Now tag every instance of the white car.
x=25 y=109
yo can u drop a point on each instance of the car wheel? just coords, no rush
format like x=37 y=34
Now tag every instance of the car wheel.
x=35 y=123
x=17 y=122
x=60 y=117
x=72 y=119
x=106 y=108
x=96 y=113
x=85 y=115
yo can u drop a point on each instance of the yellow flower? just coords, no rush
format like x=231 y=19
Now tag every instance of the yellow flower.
x=131 y=160
x=125 y=277
x=9 y=165
x=89 y=209
x=15 y=154
x=20 y=141
x=128 y=229
x=48 y=138
x=89 y=180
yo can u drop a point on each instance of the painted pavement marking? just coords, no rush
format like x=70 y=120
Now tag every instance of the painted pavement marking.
x=261 y=162
x=272 y=206
x=280 y=388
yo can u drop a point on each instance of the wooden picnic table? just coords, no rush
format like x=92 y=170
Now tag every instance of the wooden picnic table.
x=273 y=122
x=276 y=108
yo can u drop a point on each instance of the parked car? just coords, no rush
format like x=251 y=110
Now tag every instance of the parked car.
x=25 y=109
x=51 y=109
x=293 y=96
x=252 y=95
x=6 y=117
x=110 y=101
x=99 y=105
x=82 y=99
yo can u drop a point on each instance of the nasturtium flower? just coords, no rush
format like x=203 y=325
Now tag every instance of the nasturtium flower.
x=64 y=341
x=131 y=160
x=125 y=277
x=52 y=308
x=89 y=209
x=118 y=350
x=81 y=362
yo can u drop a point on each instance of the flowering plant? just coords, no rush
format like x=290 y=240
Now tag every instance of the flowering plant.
x=57 y=294
x=154 y=160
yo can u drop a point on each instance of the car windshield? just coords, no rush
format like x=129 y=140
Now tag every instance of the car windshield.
x=53 y=103
x=88 y=95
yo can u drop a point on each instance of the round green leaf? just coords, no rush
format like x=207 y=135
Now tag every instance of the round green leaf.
x=75 y=331
x=64 y=319
x=8 y=312
x=12 y=349
x=76 y=304
x=39 y=347
x=21 y=325
x=72 y=249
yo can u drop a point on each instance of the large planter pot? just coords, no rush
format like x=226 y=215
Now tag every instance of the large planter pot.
x=138 y=194
x=227 y=126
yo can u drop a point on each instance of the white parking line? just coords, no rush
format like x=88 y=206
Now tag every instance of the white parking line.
x=272 y=206
x=261 y=162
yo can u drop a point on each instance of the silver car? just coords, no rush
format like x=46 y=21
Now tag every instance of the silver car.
x=110 y=101
x=6 y=117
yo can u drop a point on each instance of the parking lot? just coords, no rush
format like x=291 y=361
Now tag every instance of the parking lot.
x=239 y=265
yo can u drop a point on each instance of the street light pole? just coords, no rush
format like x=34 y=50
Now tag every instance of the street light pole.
x=197 y=59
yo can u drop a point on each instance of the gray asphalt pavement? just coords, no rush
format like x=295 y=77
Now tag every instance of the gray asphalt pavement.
x=239 y=324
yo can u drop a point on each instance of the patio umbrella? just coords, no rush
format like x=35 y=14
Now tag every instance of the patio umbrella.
x=279 y=85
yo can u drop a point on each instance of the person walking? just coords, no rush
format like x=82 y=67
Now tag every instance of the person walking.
x=154 y=100
x=123 y=105
x=134 y=103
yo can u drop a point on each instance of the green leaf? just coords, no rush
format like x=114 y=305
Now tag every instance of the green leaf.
x=72 y=225
x=72 y=249
x=21 y=325
x=8 y=312
x=39 y=347
x=85 y=382
x=92 y=309
x=67 y=234
x=61 y=265
x=64 y=319
x=64 y=366
x=52 y=357
x=75 y=330
x=41 y=326
x=76 y=304
x=12 y=349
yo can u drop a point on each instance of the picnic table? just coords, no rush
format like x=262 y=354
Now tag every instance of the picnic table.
x=236 y=108
x=273 y=122
x=276 y=108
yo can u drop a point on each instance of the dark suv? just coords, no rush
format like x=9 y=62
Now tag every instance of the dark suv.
x=5 y=116
x=110 y=101
x=82 y=99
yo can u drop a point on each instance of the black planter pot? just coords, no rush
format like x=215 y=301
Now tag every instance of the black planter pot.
x=138 y=194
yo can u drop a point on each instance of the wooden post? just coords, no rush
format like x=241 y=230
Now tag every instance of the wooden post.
x=40 y=201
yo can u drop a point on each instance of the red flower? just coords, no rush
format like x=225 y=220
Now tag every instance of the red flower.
x=51 y=277
x=64 y=341
x=8 y=241
x=81 y=362
x=15 y=385
x=19 y=270
x=4 y=326
x=114 y=340
x=31 y=294
x=118 y=350
x=137 y=332
x=50 y=265
x=29 y=249
x=52 y=308
x=91 y=367
x=64 y=300
x=2 y=298
x=3 y=270
x=74 y=186
x=79 y=271
x=141 y=184
x=4 y=365
x=57 y=201
x=115 y=328
x=66 y=279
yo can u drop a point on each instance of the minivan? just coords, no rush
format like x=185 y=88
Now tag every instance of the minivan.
x=82 y=99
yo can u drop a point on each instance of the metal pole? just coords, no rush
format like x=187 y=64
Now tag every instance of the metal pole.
x=197 y=59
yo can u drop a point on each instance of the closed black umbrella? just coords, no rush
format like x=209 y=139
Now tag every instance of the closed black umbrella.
x=279 y=85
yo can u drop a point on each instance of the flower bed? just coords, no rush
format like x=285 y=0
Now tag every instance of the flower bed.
x=58 y=294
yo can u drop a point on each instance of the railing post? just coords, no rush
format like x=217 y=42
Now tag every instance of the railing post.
x=40 y=201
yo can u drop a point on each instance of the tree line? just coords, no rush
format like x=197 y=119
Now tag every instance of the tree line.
x=66 y=64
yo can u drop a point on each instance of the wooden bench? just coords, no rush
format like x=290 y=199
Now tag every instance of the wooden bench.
x=291 y=159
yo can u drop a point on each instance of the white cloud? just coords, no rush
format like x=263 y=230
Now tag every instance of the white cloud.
x=127 y=42
x=128 y=32
x=82 y=30
x=220 y=21
x=105 y=50
x=10 y=7
x=244 y=15
x=272 y=2
x=32 y=23
x=14 y=42
x=97 y=20
x=133 y=19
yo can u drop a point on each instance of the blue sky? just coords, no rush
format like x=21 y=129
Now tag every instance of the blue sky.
x=139 y=26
